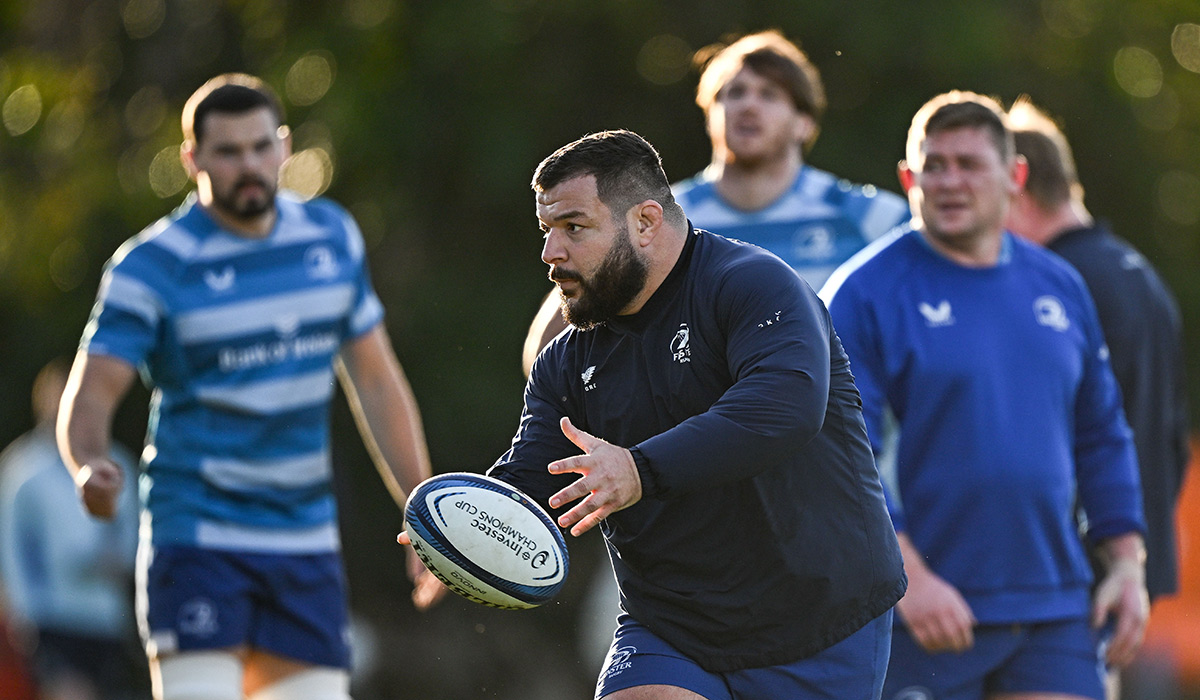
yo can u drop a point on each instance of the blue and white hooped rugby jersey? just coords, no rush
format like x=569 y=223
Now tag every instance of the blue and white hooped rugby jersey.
x=237 y=338
x=815 y=226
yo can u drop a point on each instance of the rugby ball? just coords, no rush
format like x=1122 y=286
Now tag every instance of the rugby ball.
x=486 y=540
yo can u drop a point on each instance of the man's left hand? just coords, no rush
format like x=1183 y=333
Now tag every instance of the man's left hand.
x=610 y=480
x=1122 y=596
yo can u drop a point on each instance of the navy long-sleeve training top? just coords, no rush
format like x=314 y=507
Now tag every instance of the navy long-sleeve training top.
x=762 y=536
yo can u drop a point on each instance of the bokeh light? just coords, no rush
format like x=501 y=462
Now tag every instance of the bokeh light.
x=64 y=125
x=1185 y=46
x=1179 y=197
x=142 y=17
x=68 y=264
x=367 y=14
x=167 y=176
x=664 y=59
x=22 y=110
x=309 y=78
x=1138 y=72
x=146 y=111
x=1072 y=19
x=307 y=173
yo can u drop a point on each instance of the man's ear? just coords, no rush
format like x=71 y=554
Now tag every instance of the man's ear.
x=187 y=156
x=905 y=174
x=805 y=129
x=647 y=220
x=1020 y=172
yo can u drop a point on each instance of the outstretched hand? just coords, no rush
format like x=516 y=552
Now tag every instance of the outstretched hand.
x=609 y=480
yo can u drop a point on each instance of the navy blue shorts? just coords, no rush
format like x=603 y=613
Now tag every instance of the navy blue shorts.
x=1048 y=657
x=852 y=668
x=287 y=604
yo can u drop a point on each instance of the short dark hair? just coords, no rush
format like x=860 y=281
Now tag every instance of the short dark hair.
x=627 y=170
x=232 y=93
x=770 y=55
x=959 y=109
x=1052 y=180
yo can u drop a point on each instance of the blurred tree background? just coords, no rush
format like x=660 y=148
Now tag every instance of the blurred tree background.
x=426 y=119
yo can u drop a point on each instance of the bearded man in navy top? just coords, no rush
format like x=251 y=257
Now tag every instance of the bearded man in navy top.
x=700 y=411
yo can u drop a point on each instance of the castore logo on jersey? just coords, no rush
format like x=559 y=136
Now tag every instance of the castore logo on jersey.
x=937 y=316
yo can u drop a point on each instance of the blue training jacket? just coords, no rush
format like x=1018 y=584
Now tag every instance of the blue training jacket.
x=1008 y=416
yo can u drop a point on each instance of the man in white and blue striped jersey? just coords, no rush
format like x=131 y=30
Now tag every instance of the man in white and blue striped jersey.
x=238 y=309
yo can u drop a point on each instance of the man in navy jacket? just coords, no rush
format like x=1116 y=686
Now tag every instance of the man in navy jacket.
x=724 y=453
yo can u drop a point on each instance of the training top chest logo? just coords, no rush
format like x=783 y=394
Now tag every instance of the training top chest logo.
x=1050 y=313
x=321 y=263
x=588 y=385
x=937 y=316
x=681 y=349
x=220 y=281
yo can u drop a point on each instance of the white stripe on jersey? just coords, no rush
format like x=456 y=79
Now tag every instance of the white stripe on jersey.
x=286 y=473
x=272 y=396
x=131 y=295
x=262 y=315
x=228 y=536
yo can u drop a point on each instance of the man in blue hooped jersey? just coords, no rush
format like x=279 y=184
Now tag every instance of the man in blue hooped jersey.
x=238 y=309
x=985 y=352
x=700 y=412
x=763 y=102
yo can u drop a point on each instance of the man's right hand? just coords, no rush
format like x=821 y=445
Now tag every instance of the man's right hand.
x=937 y=615
x=99 y=483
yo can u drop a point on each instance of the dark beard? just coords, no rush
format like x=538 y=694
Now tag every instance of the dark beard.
x=250 y=209
x=621 y=276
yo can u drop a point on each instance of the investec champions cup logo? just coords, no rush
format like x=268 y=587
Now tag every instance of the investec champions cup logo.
x=681 y=348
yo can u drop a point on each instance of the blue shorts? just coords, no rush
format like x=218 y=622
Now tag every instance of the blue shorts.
x=852 y=668
x=286 y=604
x=1048 y=657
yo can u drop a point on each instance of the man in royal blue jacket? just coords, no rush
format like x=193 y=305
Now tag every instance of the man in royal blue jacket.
x=988 y=354
x=724 y=455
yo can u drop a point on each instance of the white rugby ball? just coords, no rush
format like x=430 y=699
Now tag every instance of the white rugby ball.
x=486 y=540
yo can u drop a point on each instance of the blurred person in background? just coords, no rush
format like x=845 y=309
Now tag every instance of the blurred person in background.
x=763 y=102
x=239 y=309
x=987 y=355
x=1138 y=313
x=68 y=577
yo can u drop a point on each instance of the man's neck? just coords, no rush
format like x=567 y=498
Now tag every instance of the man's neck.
x=753 y=187
x=980 y=250
x=256 y=227
x=1069 y=216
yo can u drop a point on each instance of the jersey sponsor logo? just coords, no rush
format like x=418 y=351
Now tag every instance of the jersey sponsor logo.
x=220 y=281
x=587 y=378
x=1049 y=312
x=264 y=354
x=813 y=243
x=198 y=618
x=937 y=316
x=619 y=660
x=681 y=349
x=914 y=692
x=320 y=263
